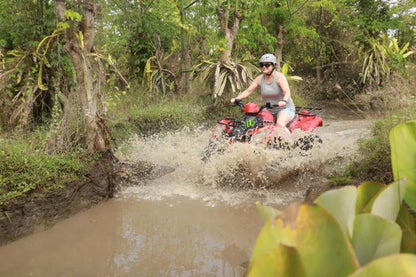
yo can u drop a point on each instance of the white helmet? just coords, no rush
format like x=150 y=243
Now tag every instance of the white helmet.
x=268 y=58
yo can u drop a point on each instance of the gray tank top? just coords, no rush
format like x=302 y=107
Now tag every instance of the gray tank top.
x=272 y=93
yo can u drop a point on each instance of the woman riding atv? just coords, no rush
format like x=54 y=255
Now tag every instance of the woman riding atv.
x=274 y=89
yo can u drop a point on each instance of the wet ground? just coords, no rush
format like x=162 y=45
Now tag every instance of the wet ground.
x=189 y=218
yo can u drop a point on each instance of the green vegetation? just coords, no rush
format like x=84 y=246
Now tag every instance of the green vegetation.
x=352 y=227
x=26 y=170
x=131 y=114
x=375 y=164
x=364 y=227
x=403 y=153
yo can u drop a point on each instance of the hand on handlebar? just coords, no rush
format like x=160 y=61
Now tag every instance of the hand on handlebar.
x=281 y=104
x=235 y=101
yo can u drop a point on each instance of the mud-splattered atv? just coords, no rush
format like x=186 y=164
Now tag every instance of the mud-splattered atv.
x=258 y=126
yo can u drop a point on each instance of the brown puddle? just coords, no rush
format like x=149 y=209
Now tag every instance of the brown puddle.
x=175 y=237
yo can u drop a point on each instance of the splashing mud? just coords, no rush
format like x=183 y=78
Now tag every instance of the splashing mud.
x=239 y=173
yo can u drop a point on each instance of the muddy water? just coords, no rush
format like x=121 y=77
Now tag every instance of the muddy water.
x=173 y=237
x=190 y=218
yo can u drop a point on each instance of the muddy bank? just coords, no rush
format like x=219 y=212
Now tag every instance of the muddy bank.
x=26 y=215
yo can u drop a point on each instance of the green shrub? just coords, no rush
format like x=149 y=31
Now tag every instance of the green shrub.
x=146 y=114
x=24 y=170
x=375 y=164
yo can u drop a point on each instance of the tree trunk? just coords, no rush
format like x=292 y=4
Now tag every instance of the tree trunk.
x=318 y=67
x=318 y=50
x=279 y=47
x=229 y=28
x=185 y=63
x=79 y=44
x=201 y=43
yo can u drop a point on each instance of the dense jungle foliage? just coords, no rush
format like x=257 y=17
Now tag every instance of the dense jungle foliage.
x=80 y=76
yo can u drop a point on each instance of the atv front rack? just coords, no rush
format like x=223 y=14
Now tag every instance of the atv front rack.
x=308 y=111
x=232 y=121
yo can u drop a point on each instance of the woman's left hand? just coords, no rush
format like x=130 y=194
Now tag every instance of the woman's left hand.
x=282 y=103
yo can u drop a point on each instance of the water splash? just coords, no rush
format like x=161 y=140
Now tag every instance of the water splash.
x=242 y=172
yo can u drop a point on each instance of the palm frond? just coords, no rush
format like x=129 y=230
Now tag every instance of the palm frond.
x=220 y=84
x=381 y=58
x=226 y=78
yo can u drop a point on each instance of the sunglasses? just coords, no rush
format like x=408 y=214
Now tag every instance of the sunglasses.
x=265 y=64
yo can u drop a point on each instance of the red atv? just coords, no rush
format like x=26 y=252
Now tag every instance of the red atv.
x=258 y=126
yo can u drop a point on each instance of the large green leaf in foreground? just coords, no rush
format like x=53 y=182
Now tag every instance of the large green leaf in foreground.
x=281 y=261
x=375 y=237
x=407 y=223
x=387 y=201
x=403 y=265
x=341 y=204
x=366 y=192
x=266 y=212
x=322 y=248
x=403 y=158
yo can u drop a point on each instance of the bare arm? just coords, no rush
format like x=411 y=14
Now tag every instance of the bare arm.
x=253 y=86
x=284 y=86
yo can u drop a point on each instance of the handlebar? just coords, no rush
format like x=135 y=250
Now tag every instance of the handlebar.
x=268 y=105
x=308 y=111
x=300 y=110
x=238 y=102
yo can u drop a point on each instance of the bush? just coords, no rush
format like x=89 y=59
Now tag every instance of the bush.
x=145 y=114
x=24 y=169
x=375 y=164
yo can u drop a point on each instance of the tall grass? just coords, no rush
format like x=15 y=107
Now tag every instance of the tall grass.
x=144 y=113
x=25 y=169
